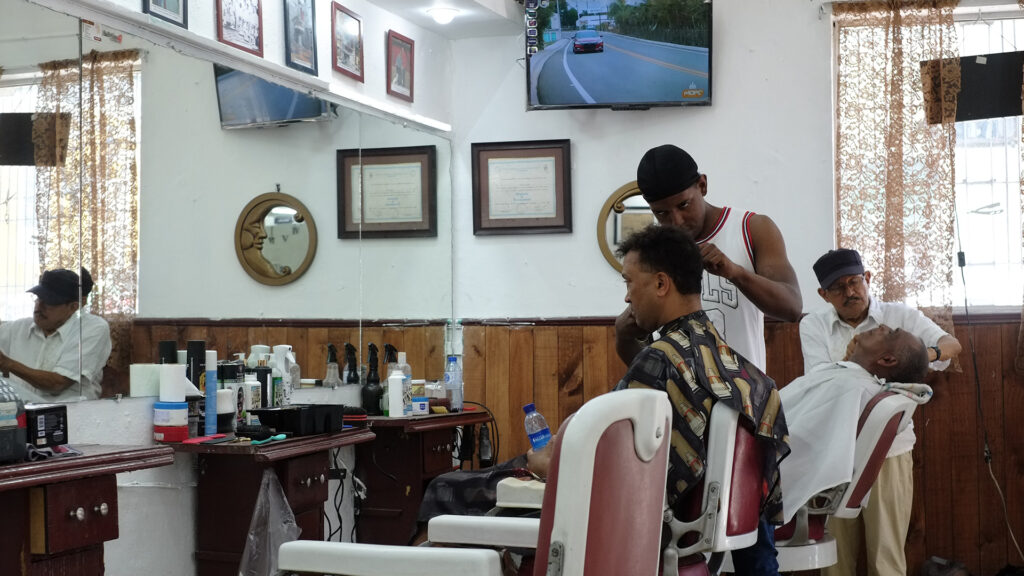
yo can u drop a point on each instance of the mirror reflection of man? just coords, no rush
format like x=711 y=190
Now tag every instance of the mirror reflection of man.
x=40 y=355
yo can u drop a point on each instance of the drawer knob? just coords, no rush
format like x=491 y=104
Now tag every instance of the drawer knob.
x=77 y=514
x=102 y=509
x=323 y=478
x=307 y=482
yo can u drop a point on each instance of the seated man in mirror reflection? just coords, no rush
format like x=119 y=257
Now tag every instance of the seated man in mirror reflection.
x=253 y=234
x=41 y=354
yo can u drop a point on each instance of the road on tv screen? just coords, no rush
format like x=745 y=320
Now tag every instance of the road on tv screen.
x=630 y=70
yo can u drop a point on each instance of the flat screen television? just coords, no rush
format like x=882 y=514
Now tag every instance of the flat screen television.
x=247 y=101
x=628 y=55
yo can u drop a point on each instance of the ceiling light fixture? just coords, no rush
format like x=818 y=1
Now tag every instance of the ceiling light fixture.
x=443 y=15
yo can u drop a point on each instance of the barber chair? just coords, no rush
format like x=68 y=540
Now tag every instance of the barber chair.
x=601 y=512
x=803 y=543
x=724 y=512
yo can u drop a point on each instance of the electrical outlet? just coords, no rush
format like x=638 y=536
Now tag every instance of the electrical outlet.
x=338 y=474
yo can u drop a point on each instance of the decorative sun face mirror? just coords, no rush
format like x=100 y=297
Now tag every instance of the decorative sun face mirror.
x=623 y=213
x=275 y=238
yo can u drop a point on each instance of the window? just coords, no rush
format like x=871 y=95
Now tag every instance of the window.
x=988 y=193
x=19 y=270
x=19 y=231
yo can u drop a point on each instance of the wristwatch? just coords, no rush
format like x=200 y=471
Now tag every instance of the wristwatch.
x=938 y=353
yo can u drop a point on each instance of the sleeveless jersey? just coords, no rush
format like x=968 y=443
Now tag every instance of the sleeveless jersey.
x=738 y=320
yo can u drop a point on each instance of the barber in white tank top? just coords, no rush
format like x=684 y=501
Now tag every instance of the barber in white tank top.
x=747 y=272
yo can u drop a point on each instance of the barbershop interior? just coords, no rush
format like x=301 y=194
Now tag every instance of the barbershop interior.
x=369 y=287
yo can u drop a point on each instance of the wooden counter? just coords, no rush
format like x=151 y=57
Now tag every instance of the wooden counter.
x=396 y=467
x=59 y=512
x=230 y=475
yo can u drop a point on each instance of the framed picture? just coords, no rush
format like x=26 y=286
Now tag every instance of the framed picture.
x=401 y=53
x=347 y=44
x=173 y=11
x=522 y=187
x=632 y=219
x=240 y=24
x=387 y=192
x=300 y=35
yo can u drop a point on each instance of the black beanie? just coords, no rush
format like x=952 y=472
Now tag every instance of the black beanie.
x=664 y=171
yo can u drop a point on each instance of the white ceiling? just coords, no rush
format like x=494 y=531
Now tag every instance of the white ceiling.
x=476 y=18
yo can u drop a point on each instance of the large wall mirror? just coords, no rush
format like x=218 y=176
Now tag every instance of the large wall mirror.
x=195 y=178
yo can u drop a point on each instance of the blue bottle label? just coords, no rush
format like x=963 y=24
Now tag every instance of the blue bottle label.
x=540 y=438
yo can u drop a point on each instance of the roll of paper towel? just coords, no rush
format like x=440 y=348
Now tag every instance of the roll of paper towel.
x=172 y=382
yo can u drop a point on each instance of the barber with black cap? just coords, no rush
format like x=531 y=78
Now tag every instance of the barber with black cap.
x=41 y=353
x=747 y=272
x=830 y=335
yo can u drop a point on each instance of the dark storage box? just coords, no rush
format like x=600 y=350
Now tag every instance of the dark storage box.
x=303 y=419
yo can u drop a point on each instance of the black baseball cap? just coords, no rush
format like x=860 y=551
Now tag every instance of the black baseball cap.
x=835 y=264
x=61 y=286
x=664 y=171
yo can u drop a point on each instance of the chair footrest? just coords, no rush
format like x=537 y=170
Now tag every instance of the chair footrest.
x=484 y=531
x=520 y=493
x=373 y=559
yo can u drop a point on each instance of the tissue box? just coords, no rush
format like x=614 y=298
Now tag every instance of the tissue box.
x=144 y=380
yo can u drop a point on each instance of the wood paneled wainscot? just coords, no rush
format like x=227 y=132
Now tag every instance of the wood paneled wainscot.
x=562 y=363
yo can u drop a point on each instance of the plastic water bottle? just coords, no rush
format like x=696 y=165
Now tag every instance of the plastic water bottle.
x=453 y=383
x=536 y=427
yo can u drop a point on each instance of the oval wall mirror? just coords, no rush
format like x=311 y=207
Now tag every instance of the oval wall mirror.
x=275 y=238
x=623 y=213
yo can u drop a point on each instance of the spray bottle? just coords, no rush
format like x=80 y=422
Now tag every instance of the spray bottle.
x=372 y=392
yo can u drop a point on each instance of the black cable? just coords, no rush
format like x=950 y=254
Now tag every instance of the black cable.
x=339 y=496
x=496 y=443
x=961 y=261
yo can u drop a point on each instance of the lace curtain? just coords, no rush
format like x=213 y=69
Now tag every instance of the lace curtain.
x=894 y=171
x=91 y=214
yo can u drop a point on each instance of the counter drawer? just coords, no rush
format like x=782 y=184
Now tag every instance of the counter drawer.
x=74 y=514
x=304 y=480
x=437 y=452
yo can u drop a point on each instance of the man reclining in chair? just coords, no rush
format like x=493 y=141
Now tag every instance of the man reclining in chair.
x=662 y=268
x=824 y=406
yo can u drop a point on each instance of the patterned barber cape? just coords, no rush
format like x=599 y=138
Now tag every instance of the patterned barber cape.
x=692 y=363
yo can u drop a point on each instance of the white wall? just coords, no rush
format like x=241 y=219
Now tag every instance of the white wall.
x=765 y=143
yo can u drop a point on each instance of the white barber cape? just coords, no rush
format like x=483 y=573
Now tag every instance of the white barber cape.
x=822 y=409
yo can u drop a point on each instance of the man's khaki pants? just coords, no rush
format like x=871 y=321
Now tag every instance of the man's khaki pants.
x=882 y=525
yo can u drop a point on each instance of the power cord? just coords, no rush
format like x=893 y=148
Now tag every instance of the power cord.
x=961 y=261
x=496 y=440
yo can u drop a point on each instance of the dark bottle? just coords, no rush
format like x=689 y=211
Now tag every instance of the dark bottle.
x=351 y=369
x=372 y=392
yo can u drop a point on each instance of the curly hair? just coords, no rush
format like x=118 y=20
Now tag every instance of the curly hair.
x=669 y=250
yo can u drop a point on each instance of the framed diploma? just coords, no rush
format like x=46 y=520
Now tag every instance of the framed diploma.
x=387 y=192
x=522 y=187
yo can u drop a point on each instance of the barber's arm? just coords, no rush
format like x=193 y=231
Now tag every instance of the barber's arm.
x=813 y=342
x=773 y=286
x=949 y=348
x=47 y=381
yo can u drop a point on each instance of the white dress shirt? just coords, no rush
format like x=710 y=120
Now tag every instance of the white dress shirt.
x=23 y=341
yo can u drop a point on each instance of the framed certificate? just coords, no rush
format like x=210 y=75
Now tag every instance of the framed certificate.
x=387 y=192
x=522 y=187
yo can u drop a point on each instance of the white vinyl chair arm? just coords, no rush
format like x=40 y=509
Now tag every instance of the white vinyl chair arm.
x=484 y=531
x=350 y=559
